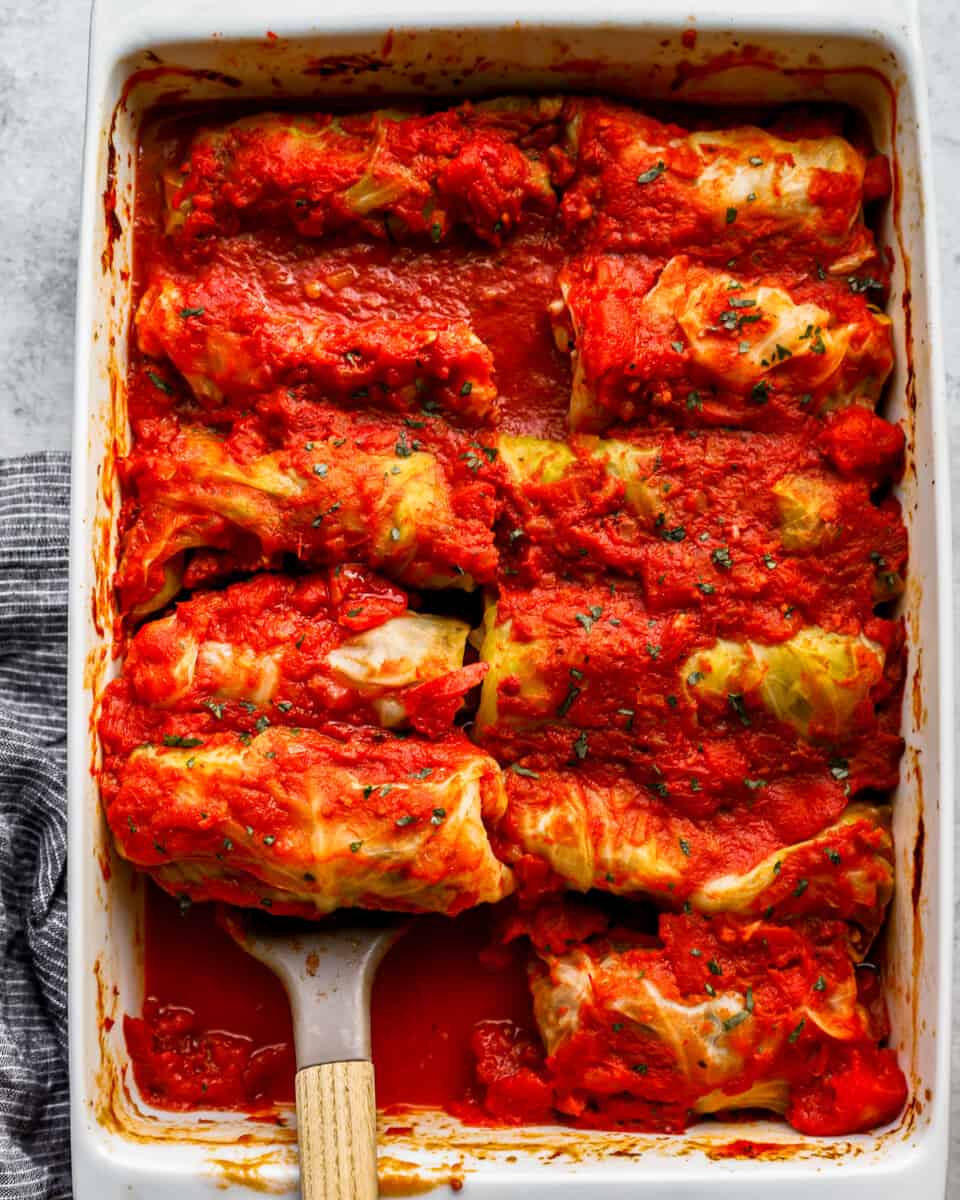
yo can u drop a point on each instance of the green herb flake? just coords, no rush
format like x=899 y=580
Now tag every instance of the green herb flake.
x=677 y=346
x=439 y=815
x=685 y=847
x=405 y=820
x=580 y=746
x=755 y=161
x=186 y=313
x=735 y=700
x=653 y=173
x=721 y=558
x=714 y=967
x=820 y=985
x=568 y=701
x=737 y=1019
x=792 y=1038
x=184 y=743
x=466 y=388
x=801 y=887
x=731 y=215
x=760 y=392
x=159 y=382
x=524 y=771
x=834 y=857
x=355 y=847
x=269 y=839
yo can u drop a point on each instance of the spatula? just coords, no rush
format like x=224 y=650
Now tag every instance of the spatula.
x=328 y=973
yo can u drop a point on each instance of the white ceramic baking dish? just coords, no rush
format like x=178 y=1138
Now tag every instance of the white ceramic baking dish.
x=864 y=52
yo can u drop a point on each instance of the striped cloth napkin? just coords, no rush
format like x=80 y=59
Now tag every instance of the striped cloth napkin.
x=34 y=1099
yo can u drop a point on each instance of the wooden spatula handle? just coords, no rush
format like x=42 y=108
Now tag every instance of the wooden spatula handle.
x=337 y=1121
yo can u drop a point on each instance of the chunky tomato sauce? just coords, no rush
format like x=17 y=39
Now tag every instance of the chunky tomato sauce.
x=316 y=343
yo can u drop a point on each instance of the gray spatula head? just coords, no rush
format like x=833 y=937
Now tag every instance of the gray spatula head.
x=327 y=970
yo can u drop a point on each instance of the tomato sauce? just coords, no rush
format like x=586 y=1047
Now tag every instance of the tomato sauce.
x=452 y=1018
x=435 y=985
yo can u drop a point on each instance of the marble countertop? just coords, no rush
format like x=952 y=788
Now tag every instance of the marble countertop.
x=43 y=49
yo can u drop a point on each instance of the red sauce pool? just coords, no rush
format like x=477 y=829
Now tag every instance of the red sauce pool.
x=430 y=991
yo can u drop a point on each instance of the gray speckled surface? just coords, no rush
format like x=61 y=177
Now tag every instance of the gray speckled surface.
x=43 y=47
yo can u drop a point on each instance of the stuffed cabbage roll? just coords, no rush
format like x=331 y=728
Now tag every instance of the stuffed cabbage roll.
x=342 y=646
x=643 y=185
x=423 y=521
x=661 y=508
x=595 y=658
x=707 y=345
x=780 y=849
x=389 y=174
x=302 y=823
x=232 y=344
x=720 y=1014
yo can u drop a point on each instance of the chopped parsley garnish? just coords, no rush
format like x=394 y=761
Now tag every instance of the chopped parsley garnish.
x=714 y=967
x=198 y=312
x=755 y=784
x=731 y=215
x=355 y=847
x=628 y=713
x=215 y=708
x=653 y=173
x=782 y=352
x=184 y=743
x=568 y=701
x=262 y=724
x=423 y=773
x=269 y=840
x=863 y=284
x=467 y=388
x=401 y=449
x=405 y=820
x=436 y=232
x=439 y=815
x=677 y=534
x=159 y=382
x=587 y=619
x=769 y=562
x=685 y=847
x=678 y=346
x=760 y=392
x=820 y=985
x=320 y=469
x=709 y=989
x=754 y=161
x=840 y=769
x=525 y=771
x=834 y=857
x=792 y=1038
x=652 y=650
x=801 y=887
x=580 y=746
x=707 y=588
x=735 y=1020
x=284 y=705
x=640 y=1068
x=742 y=302
x=735 y=700
x=394 y=534
x=721 y=558
x=694 y=678
x=694 y=402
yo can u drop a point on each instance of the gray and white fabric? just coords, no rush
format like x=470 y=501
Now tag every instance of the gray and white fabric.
x=34 y=1099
